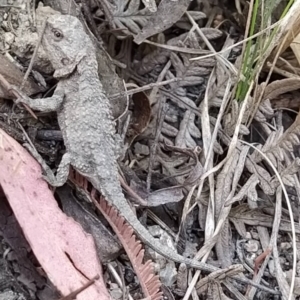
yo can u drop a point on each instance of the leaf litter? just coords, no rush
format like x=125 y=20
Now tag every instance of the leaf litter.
x=217 y=173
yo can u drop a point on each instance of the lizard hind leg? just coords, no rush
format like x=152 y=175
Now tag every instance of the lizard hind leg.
x=62 y=171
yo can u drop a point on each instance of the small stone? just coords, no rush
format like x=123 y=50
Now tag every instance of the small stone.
x=285 y=246
x=99 y=13
x=141 y=149
x=248 y=235
x=116 y=292
x=289 y=275
x=252 y=246
x=168 y=274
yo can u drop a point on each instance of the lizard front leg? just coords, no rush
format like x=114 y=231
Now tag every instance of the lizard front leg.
x=41 y=104
x=47 y=105
x=62 y=171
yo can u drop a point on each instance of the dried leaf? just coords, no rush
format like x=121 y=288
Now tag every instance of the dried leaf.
x=217 y=276
x=255 y=217
x=263 y=176
x=269 y=147
x=287 y=174
x=65 y=251
x=249 y=189
x=128 y=16
x=231 y=118
x=190 y=73
x=168 y=13
x=151 y=60
x=195 y=174
x=187 y=130
x=278 y=87
x=223 y=243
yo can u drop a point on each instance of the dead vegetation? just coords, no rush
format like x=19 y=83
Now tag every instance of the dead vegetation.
x=206 y=97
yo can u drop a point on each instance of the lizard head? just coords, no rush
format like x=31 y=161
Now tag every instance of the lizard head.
x=66 y=43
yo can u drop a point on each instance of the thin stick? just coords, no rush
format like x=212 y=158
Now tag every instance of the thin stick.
x=73 y=295
x=8 y=87
x=34 y=55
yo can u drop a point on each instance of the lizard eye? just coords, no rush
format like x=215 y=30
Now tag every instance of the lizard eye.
x=57 y=34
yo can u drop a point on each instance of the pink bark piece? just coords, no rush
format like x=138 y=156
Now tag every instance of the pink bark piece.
x=64 y=250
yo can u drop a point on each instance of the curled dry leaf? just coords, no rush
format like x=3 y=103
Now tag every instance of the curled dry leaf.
x=65 y=251
x=140 y=116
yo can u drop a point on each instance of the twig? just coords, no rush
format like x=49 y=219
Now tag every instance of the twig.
x=73 y=295
x=144 y=88
x=260 y=258
x=26 y=135
x=12 y=6
x=34 y=55
x=29 y=10
x=33 y=13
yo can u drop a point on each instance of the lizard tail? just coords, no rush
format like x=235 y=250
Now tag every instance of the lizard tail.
x=115 y=197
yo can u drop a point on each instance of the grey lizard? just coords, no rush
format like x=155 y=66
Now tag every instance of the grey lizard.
x=85 y=119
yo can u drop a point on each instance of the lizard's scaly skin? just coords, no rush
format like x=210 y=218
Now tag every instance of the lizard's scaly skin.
x=86 y=123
